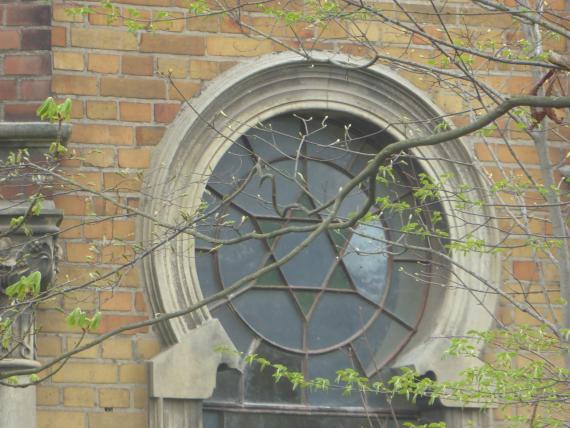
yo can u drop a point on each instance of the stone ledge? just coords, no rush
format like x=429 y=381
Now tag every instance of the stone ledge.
x=22 y=135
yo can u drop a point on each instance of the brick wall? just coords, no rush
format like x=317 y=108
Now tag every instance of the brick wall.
x=122 y=106
x=25 y=58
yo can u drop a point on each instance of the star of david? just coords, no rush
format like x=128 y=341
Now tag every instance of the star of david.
x=319 y=276
x=330 y=273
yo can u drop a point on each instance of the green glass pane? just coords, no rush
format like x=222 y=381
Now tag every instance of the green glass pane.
x=273 y=277
x=305 y=299
x=339 y=279
x=306 y=202
x=267 y=226
x=340 y=237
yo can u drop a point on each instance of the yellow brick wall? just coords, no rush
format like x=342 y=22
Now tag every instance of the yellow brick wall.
x=122 y=107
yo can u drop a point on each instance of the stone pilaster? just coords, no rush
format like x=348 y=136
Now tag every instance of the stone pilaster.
x=26 y=247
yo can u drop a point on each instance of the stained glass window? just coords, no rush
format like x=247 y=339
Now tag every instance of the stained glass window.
x=351 y=298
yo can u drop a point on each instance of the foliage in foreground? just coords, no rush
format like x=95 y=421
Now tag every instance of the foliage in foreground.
x=519 y=371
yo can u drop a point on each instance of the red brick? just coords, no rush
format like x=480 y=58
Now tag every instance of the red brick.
x=34 y=14
x=70 y=229
x=134 y=158
x=36 y=39
x=27 y=64
x=111 y=322
x=149 y=2
x=101 y=109
x=133 y=88
x=102 y=134
x=103 y=63
x=204 y=70
x=8 y=90
x=208 y=24
x=525 y=271
x=182 y=90
x=149 y=135
x=140 y=304
x=58 y=36
x=64 y=60
x=125 y=183
x=34 y=89
x=165 y=113
x=98 y=229
x=138 y=65
x=135 y=112
x=103 y=38
x=60 y=13
x=71 y=205
x=20 y=112
x=73 y=84
x=79 y=252
x=9 y=39
x=172 y=43
x=124 y=229
x=226 y=46
x=174 y=22
x=115 y=301
x=98 y=157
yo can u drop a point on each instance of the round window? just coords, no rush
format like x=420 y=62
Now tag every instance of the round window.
x=352 y=296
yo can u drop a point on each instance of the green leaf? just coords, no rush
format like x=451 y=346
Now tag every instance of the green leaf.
x=27 y=285
x=95 y=321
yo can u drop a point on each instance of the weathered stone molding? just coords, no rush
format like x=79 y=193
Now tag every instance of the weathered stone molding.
x=185 y=374
x=197 y=358
x=25 y=135
x=280 y=83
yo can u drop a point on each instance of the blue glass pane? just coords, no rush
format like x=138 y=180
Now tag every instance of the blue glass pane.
x=325 y=366
x=379 y=342
x=238 y=332
x=405 y=245
x=273 y=314
x=212 y=419
x=260 y=386
x=238 y=260
x=397 y=186
x=337 y=317
x=406 y=295
x=276 y=138
x=366 y=153
x=205 y=266
x=310 y=267
x=208 y=225
x=329 y=144
x=325 y=181
x=256 y=198
x=231 y=170
x=366 y=261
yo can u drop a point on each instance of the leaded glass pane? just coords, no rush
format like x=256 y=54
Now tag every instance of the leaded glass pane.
x=273 y=314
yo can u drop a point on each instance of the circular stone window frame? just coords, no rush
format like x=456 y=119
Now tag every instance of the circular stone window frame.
x=279 y=83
